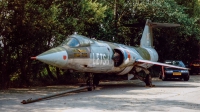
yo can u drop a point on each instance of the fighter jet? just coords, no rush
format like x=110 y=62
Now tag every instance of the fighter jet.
x=83 y=54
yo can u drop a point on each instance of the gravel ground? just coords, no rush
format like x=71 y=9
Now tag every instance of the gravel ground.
x=118 y=96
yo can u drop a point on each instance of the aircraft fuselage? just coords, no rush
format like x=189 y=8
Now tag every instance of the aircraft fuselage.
x=83 y=54
x=95 y=56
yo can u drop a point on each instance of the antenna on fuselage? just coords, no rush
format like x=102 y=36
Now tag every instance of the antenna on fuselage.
x=113 y=38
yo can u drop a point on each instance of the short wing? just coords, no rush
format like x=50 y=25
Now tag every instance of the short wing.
x=158 y=63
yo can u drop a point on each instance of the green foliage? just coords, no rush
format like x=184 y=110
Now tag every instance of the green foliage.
x=192 y=7
x=25 y=24
x=174 y=41
x=80 y=16
x=29 y=27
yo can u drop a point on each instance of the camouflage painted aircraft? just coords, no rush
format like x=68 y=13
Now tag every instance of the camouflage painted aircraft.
x=82 y=54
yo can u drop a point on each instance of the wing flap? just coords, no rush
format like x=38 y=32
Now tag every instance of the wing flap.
x=160 y=64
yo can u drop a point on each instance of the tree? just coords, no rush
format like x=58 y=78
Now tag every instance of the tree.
x=25 y=25
x=33 y=26
x=172 y=40
x=29 y=27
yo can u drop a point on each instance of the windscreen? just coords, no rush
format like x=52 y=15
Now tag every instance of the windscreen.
x=71 y=42
x=176 y=63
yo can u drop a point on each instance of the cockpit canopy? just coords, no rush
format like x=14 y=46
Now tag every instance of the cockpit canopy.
x=77 y=41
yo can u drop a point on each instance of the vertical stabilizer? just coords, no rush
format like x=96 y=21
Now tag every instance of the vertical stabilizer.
x=147 y=36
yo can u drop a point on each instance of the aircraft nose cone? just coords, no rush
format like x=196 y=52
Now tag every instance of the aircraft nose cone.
x=56 y=56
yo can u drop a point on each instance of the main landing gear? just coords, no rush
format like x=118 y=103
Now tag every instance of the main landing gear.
x=147 y=79
x=92 y=81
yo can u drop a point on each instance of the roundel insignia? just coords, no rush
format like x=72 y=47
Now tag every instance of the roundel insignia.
x=64 y=57
x=129 y=56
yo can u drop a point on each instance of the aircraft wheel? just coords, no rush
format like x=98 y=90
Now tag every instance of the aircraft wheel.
x=90 y=89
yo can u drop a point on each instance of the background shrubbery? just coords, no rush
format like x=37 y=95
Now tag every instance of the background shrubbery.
x=30 y=27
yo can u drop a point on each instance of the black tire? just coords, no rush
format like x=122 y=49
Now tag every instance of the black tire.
x=186 y=78
x=90 y=88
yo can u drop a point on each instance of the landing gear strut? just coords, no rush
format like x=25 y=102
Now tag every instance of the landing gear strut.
x=147 y=79
x=89 y=81
x=92 y=81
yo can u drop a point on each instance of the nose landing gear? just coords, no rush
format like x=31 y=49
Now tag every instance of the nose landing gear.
x=92 y=81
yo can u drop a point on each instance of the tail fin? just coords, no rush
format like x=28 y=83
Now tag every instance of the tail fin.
x=147 y=36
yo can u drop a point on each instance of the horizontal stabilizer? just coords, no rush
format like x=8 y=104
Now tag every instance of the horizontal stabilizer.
x=160 y=64
x=157 y=25
x=152 y=24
